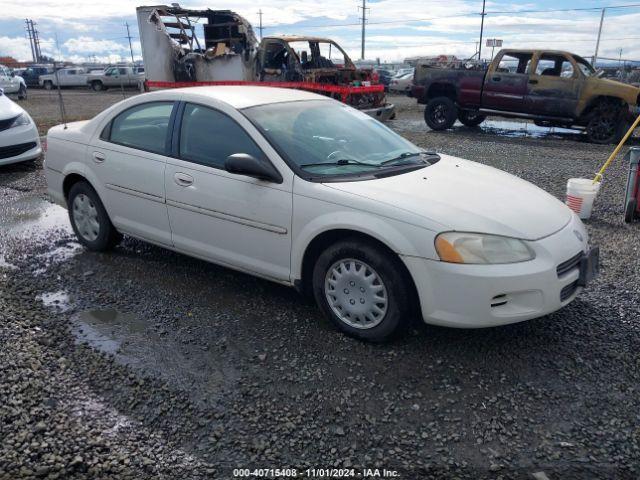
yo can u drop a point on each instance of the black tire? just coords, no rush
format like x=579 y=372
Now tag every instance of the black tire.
x=107 y=236
x=440 y=113
x=48 y=85
x=630 y=211
x=606 y=125
x=22 y=93
x=97 y=86
x=397 y=287
x=471 y=118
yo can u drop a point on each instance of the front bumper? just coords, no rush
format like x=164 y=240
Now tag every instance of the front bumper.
x=383 y=113
x=19 y=144
x=475 y=296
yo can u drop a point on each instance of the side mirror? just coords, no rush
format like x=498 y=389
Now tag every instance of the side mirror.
x=245 y=164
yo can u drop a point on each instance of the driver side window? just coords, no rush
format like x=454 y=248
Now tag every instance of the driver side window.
x=208 y=137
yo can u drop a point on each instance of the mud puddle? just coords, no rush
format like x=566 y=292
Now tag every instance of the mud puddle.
x=33 y=217
x=134 y=341
x=500 y=127
x=58 y=301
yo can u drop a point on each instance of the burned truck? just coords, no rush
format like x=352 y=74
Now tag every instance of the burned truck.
x=185 y=47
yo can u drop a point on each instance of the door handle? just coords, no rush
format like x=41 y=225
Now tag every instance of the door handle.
x=183 y=179
x=496 y=79
x=533 y=82
x=99 y=157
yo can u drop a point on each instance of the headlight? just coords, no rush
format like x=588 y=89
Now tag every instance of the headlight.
x=22 y=119
x=461 y=247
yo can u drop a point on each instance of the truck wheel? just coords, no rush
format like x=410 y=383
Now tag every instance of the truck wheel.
x=22 y=93
x=630 y=212
x=440 y=113
x=48 y=85
x=471 y=118
x=97 y=86
x=606 y=125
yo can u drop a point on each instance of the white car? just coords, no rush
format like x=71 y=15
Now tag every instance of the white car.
x=401 y=84
x=19 y=139
x=308 y=192
x=12 y=83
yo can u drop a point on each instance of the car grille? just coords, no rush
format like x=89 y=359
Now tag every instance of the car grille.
x=568 y=265
x=568 y=290
x=15 y=150
x=5 y=124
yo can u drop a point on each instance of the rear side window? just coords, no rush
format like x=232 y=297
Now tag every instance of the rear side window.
x=144 y=127
x=516 y=62
x=208 y=137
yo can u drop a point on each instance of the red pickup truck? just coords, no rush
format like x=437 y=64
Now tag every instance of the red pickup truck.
x=554 y=88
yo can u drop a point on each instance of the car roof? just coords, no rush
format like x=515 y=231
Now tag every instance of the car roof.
x=239 y=96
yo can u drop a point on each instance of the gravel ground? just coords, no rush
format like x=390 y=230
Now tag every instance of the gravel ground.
x=144 y=363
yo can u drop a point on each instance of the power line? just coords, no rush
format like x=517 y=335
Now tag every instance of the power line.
x=472 y=14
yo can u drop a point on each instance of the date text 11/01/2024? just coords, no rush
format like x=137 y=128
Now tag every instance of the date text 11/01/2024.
x=316 y=473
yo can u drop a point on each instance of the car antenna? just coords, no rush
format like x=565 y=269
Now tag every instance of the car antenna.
x=63 y=113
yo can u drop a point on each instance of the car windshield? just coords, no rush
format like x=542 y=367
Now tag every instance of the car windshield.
x=327 y=138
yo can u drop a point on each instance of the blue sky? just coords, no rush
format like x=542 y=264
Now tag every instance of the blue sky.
x=397 y=28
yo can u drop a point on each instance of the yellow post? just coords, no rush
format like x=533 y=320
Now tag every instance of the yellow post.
x=598 y=176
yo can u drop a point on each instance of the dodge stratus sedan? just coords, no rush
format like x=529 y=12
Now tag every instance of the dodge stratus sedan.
x=306 y=191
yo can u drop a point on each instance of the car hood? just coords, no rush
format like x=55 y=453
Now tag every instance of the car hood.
x=8 y=108
x=467 y=196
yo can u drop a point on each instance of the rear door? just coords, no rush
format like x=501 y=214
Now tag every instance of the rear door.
x=129 y=158
x=506 y=82
x=554 y=86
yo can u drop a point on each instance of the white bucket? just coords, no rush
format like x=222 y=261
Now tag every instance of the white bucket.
x=581 y=192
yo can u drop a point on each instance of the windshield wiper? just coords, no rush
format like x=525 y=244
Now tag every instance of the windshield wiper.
x=406 y=155
x=342 y=161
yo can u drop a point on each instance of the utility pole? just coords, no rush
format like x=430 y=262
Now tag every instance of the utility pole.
x=30 y=36
x=595 y=56
x=129 y=38
x=481 y=31
x=260 y=27
x=36 y=41
x=364 y=20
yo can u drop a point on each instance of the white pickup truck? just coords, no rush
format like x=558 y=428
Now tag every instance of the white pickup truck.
x=68 y=77
x=116 y=77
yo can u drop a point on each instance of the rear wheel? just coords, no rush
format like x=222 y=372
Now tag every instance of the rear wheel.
x=440 y=113
x=97 y=86
x=606 y=124
x=471 y=118
x=89 y=219
x=22 y=93
x=48 y=85
x=362 y=290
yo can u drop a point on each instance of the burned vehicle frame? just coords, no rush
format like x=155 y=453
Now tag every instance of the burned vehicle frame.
x=228 y=51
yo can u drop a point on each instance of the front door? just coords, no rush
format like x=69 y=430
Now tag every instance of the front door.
x=554 y=87
x=505 y=85
x=129 y=159
x=230 y=219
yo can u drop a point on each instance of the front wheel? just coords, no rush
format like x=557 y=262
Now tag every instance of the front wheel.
x=97 y=86
x=471 y=118
x=440 y=113
x=89 y=219
x=362 y=290
x=48 y=85
x=22 y=93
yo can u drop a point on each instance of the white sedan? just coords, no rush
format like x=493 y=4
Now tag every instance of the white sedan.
x=19 y=139
x=308 y=192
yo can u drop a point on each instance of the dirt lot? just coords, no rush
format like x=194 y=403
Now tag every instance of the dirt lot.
x=144 y=363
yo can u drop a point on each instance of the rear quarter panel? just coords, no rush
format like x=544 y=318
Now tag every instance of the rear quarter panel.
x=66 y=154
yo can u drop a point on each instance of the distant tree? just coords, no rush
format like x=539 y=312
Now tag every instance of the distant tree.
x=9 y=62
x=45 y=59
